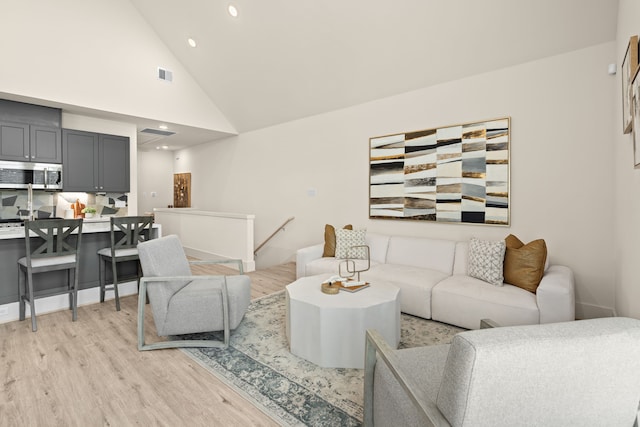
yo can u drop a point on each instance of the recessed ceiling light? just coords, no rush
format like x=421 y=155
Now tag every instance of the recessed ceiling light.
x=192 y=42
x=233 y=11
x=163 y=127
x=165 y=147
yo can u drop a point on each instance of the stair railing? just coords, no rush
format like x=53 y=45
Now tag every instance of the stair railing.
x=273 y=234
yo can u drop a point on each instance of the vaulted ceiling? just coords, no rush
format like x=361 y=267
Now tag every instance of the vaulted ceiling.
x=281 y=60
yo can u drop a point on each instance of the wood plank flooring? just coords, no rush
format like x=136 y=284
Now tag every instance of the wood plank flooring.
x=90 y=372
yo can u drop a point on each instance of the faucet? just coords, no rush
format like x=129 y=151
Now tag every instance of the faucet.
x=30 y=201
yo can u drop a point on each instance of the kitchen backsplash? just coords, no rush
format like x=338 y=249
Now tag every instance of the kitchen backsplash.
x=47 y=204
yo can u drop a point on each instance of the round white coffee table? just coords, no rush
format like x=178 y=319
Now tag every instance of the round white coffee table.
x=329 y=330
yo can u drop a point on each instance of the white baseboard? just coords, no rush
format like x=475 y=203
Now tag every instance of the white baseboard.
x=589 y=311
x=11 y=312
x=248 y=266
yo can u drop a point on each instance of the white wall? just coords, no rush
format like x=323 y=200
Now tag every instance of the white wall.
x=561 y=176
x=155 y=175
x=100 y=55
x=627 y=182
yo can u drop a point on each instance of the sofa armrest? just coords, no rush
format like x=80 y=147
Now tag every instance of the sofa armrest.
x=556 y=295
x=306 y=255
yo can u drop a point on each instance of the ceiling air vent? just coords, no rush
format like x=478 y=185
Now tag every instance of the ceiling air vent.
x=158 y=132
x=164 y=74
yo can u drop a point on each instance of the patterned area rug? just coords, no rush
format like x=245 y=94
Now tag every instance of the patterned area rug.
x=289 y=389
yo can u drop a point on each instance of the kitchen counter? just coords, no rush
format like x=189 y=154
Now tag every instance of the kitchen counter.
x=89 y=225
x=95 y=236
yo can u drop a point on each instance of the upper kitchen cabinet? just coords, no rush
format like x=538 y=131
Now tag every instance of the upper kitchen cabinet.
x=114 y=163
x=30 y=133
x=29 y=143
x=95 y=162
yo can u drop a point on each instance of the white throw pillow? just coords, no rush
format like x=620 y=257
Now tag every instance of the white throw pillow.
x=345 y=239
x=486 y=260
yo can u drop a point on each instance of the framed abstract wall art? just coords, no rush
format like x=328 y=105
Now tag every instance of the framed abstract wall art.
x=629 y=69
x=452 y=174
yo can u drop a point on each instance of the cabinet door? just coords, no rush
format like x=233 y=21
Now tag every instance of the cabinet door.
x=14 y=141
x=114 y=163
x=80 y=161
x=46 y=144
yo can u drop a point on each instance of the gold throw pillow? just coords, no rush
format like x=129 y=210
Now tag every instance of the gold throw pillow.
x=524 y=264
x=330 y=239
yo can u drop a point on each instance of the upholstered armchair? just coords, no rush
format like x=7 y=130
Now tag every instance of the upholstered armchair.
x=582 y=373
x=186 y=304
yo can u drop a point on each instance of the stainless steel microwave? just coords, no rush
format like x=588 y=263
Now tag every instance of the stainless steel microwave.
x=42 y=176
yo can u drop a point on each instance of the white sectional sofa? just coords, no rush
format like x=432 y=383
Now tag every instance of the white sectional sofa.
x=432 y=276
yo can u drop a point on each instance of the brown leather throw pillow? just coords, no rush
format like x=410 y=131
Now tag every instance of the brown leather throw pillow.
x=330 y=239
x=524 y=264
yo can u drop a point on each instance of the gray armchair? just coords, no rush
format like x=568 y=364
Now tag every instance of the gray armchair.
x=584 y=373
x=186 y=304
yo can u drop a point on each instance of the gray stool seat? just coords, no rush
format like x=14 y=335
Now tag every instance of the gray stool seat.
x=55 y=247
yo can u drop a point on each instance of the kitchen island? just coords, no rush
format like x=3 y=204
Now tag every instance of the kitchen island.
x=95 y=236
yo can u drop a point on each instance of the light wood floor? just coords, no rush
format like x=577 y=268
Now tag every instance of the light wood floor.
x=90 y=372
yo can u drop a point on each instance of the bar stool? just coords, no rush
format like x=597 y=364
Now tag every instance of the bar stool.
x=126 y=232
x=59 y=251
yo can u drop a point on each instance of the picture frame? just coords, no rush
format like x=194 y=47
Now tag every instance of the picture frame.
x=629 y=69
x=449 y=174
x=635 y=111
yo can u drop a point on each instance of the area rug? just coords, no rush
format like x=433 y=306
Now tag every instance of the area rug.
x=289 y=389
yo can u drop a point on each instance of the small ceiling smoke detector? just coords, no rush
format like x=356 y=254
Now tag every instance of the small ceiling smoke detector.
x=233 y=11
x=192 y=42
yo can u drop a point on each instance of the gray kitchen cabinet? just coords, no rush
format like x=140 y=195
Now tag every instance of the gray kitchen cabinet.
x=45 y=144
x=30 y=143
x=94 y=162
x=14 y=141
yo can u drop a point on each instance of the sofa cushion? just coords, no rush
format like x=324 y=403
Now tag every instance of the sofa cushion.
x=415 y=285
x=378 y=246
x=486 y=260
x=462 y=258
x=432 y=254
x=330 y=239
x=331 y=265
x=524 y=265
x=346 y=239
x=463 y=300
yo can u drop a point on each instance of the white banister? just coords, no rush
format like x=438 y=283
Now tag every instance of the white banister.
x=210 y=235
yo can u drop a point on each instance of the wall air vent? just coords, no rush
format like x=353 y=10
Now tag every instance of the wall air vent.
x=164 y=74
x=158 y=132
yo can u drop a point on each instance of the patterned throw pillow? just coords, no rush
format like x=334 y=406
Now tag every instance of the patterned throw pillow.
x=330 y=239
x=486 y=260
x=345 y=239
